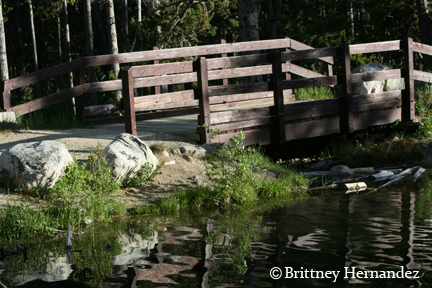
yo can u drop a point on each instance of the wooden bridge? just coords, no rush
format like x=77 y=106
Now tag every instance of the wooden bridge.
x=265 y=111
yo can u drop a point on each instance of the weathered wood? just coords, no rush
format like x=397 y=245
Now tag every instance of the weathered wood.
x=200 y=66
x=165 y=98
x=308 y=114
x=295 y=45
x=376 y=76
x=309 y=129
x=346 y=117
x=248 y=103
x=80 y=101
x=239 y=115
x=330 y=104
x=422 y=48
x=240 y=72
x=156 y=89
x=186 y=52
x=422 y=76
x=167 y=113
x=44 y=74
x=376 y=97
x=378 y=105
x=47 y=101
x=310 y=54
x=375 y=118
x=144 y=106
x=234 y=61
x=375 y=47
x=101 y=110
x=243 y=124
x=311 y=82
x=103 y=86
x=164 y=80
x=224 y=55
x=303 y=72
x=256 y=136
x=408 y=108
x=160 y=69
x=279 y=111
x=247 y=96
x=128 y=100
x=238 y=89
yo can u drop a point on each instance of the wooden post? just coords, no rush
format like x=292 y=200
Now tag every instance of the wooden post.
x=5 y=96
x=346 y=115
x=80 y=101
x=408 y=107
x=224 y=81
x=287 y=75
x=200 y=66
x=156 y=89
x=128 y=100
x=279 y=123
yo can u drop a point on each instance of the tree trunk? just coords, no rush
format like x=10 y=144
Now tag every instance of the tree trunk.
x=68 y=51
x=99 y=33
x=249 y=28
x=425 y=29
x=35 y=55
x=113 y=40
x=277 y=17
x=125 y=23
x=4 y=72
x=18 y=31
x=139 y=12
x=90 y=46
x=59 y=55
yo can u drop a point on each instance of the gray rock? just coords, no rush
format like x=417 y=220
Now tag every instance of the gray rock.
x=211 y=148
x=198 y=152
x=340 y=171
x=127 y=154
x=376 y=86
x=134 y=247
x=175 y=151
x=35 y=164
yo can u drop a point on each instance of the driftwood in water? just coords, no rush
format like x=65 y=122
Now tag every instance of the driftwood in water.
x=364 y=170
x=418 y=173
x=69 y=238
x=388 y=183
x=355 y=187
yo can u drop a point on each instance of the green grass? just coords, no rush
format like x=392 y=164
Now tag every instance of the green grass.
x=314 y=93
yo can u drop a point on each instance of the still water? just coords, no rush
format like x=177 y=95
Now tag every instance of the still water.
x=329 y=240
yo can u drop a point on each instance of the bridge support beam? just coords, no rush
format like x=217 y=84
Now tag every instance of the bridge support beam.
x=408 y=107
x=346 y=114
x=128 y=100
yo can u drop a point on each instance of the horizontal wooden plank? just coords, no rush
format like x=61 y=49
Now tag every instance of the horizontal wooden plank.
x=105 y=121
x=179 y=104
x=238 y=88
x=377 y=105
x=240 y=115
x=302 y=115
x=103 y=86
x=376 y=76
x=164 y=80
x=246 y=96
x=422 y=76
x=255 y=136
x=314 y=128
x=166 y=113
x=310 y=54
x=166 y=98
x=312 y=105
x=295 y=45
x=101 y=110
x=243 y=124
x=303 y=72
x=47 y=100
x=422 y=48
x=44 y=74
x=240 y=72
x=376 y=97
x=248 y=103
x=186 y=52
x=310 y=82
x=245 y=60
x=160 y=69
x=374 y=118
x=375 y=47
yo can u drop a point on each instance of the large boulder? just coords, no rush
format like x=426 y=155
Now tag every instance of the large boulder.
x=35 y=164
x=127 y=154
x=376 y=86
x=8 y=120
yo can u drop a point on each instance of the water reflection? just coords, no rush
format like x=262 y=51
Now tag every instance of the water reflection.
x=382 y=231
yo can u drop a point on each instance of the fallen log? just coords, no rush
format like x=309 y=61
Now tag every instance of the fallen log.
x=418 y=173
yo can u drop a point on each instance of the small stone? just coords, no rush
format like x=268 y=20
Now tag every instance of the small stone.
x=188 y=158
x=169 y=163
x=194 y=178
x=340 y=171
x=197 y=152
x=176 y=151
x=271 y=174
x=166 y=153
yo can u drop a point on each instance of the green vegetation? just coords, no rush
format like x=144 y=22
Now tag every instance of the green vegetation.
x=237 y=175
x=314 y=93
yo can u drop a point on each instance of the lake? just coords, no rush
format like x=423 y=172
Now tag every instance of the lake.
x=381 y=239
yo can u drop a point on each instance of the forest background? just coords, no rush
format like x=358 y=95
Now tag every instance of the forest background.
x=37 y=34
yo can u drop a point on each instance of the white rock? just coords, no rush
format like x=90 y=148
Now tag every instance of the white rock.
x=170 y=162
x=35 y=164
x=127 y=154
x=376 y=86
x=198 y=152
x=7 y=117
